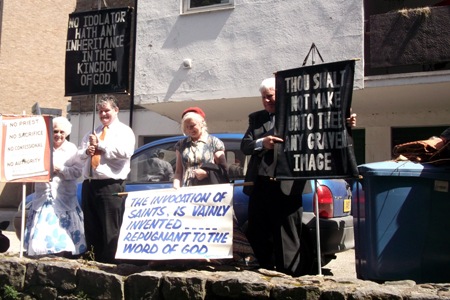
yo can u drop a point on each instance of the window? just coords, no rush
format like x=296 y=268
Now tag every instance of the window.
x=146 y=166
x=195 y=6
x=236 y=160
x=401 y=135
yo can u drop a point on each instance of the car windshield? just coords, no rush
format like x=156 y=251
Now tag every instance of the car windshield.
x=147 y=165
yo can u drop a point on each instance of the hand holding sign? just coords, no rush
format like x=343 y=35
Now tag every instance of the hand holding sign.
x=269 y=141
x=351 y=122
x=312 y=117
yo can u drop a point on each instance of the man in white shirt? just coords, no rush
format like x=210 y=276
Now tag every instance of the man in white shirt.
x=107 y=155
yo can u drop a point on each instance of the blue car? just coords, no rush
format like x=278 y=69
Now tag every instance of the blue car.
x=336 y=220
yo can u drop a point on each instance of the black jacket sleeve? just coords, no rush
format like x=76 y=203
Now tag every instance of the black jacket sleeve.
x=216 y=174
x=446 y=135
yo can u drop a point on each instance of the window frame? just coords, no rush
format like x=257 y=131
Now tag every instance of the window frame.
x=186 y=10
x=135 y=175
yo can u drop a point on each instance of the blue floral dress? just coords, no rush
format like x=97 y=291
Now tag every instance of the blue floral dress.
x=55 y=220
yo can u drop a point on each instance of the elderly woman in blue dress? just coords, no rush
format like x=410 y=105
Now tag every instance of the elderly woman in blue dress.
x=55 y=220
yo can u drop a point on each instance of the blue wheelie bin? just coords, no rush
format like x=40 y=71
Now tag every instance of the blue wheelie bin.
x=402 y=222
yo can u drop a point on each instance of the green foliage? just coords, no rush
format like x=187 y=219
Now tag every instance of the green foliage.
x=82 y=296
x=10 y=293
x=89 y=255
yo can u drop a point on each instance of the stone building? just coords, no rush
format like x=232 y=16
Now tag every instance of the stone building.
x=32 y=56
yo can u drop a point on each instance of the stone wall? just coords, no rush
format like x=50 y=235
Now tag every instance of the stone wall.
x=56 y=278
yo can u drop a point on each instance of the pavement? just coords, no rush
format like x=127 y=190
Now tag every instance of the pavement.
x=341 y=267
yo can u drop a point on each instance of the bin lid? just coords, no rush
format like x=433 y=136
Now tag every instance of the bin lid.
x=405 y=168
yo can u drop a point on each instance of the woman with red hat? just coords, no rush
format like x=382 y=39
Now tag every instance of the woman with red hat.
x=201 y=160
x=197 y=150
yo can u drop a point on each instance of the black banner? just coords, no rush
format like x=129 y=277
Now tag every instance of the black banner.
x=311 y=109
x=98 y=52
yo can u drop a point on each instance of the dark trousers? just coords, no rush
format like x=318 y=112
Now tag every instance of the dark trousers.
x=274 y=226
x=103 y=214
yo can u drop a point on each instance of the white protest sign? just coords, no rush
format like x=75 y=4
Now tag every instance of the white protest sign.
x=188 y=223
x=25 y=146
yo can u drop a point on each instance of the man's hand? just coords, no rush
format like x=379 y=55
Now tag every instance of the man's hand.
x=93 y=143
x=93 y=140
x=351 y=122
x=91 y=150
x=269 y=141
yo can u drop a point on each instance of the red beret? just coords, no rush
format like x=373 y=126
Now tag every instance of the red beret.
x=196 y=110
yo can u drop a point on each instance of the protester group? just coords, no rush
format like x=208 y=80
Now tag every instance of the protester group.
x=272 y=240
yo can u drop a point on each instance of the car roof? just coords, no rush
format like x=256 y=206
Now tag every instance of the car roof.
x=238 y=136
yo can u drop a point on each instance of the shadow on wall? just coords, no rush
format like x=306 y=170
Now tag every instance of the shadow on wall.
x=11 y=193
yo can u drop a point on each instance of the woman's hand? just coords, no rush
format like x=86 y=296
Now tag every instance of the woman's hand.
x=176 y=184
x=200 y=174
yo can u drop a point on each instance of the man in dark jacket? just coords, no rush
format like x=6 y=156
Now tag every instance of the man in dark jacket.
x=275 y=207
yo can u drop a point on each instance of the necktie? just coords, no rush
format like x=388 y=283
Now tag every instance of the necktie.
x=95 y=160
x=272 y=120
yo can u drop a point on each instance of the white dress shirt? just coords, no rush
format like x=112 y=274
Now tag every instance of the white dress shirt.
x=116 y=151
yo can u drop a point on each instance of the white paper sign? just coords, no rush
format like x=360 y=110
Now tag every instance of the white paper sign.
x=188 y=223
x=25 y=147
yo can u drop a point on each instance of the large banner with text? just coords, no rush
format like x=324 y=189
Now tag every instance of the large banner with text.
x=312 y=105
x=26 y=148
x=98 y=52
x=187 y=223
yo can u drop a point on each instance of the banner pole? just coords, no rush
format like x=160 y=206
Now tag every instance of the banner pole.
x=22 y=226
x=319 y=255
x=99 y=6
x=235 y=184
x=94 y=110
